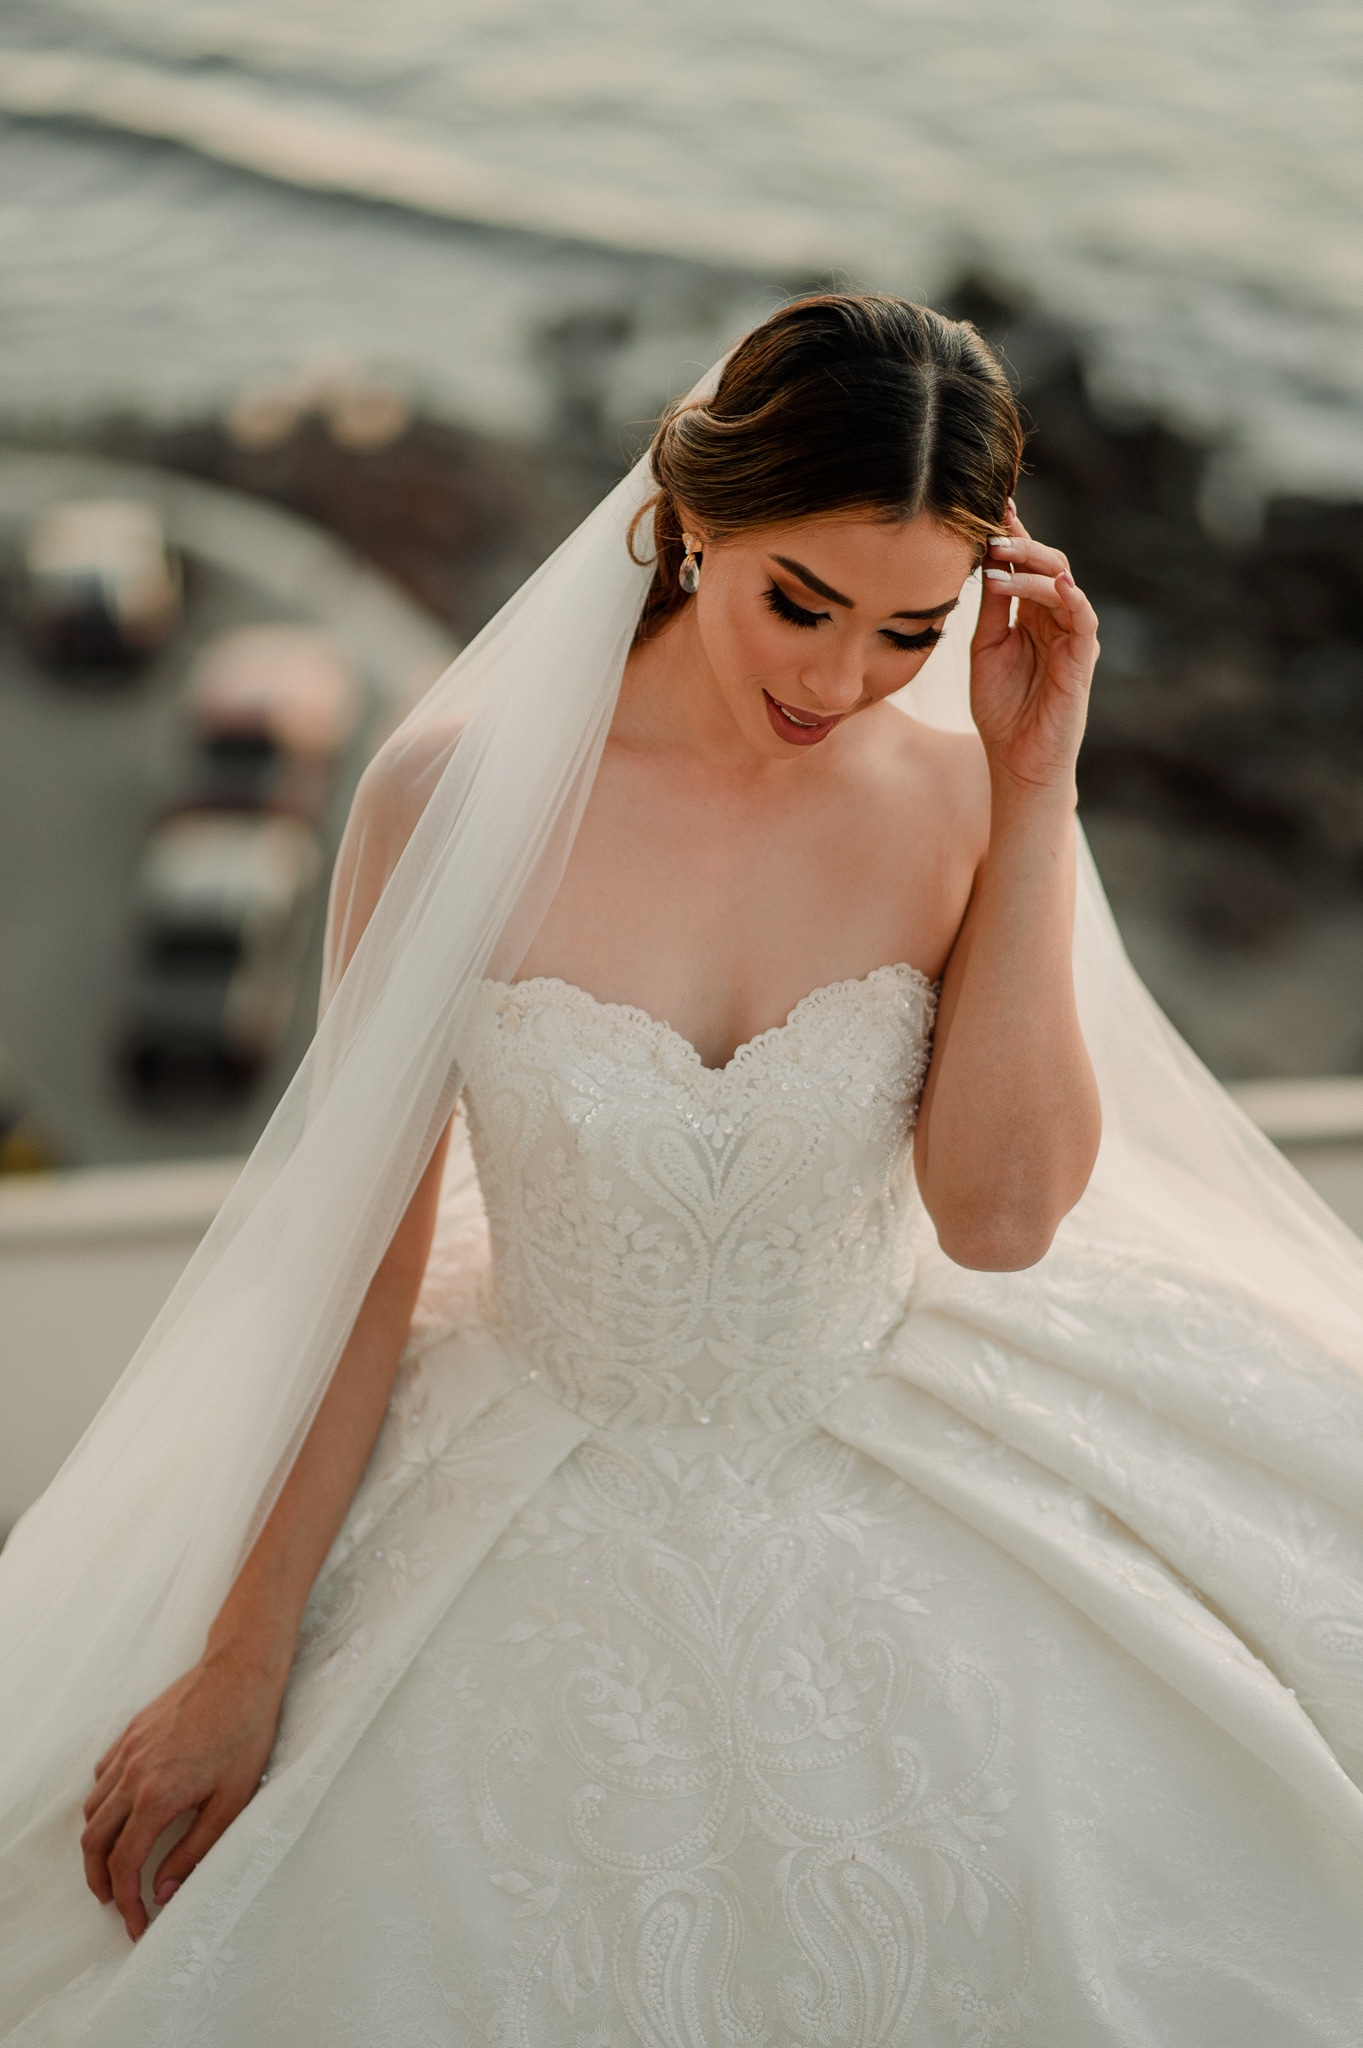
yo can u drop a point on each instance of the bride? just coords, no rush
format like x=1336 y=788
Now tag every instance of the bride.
x=847 y=1531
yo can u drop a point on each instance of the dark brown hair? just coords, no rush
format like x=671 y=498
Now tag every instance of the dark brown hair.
x=848 y=402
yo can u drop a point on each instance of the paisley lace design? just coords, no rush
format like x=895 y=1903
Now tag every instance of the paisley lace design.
x=730 y=1795
x=676 y=1244
x=754 y=1835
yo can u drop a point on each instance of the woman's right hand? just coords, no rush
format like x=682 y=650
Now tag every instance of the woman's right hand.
x=200 y=1748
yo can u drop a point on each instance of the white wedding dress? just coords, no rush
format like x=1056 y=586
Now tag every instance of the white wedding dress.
x=718 y=1656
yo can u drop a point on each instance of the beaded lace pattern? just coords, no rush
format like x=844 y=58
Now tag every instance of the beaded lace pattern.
x=674 y=1243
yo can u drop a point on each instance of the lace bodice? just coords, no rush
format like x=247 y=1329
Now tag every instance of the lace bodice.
x=674 y=1243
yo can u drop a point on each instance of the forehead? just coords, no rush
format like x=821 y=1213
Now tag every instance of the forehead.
x=870 y=560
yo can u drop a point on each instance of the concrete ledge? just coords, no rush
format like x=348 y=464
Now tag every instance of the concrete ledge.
x=1305 y=1112
x=113 y=1204
x=87 y=1259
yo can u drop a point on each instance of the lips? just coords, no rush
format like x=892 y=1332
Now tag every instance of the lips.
x=796 y=726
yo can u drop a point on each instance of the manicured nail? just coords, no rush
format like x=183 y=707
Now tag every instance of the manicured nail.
x=166 y=1892
x=1065 y=577
x=1012 y=507
x=1001 y=540
x=1000 y=575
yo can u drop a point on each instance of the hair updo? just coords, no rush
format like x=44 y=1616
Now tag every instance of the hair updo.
x=844 y=403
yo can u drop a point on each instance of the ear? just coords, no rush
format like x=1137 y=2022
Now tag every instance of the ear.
x=692 y=526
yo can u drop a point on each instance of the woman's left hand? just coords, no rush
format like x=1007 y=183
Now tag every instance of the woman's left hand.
x=1030 y=681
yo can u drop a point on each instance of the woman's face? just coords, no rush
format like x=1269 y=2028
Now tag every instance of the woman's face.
x=803 y=626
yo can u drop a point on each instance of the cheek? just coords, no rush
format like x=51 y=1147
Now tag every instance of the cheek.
x=744 y=642
x=893 y=671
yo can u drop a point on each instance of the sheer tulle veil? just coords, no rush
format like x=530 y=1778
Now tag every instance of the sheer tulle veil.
x=451 y=856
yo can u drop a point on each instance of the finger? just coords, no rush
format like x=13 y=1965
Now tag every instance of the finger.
x=214 y=1820
x=1057 y=593
x=1014 y=530
x=98 y=1793
x=1020 y=551
x=98 y=1839
x=1083 y=618
x=136 y=1838
x=110 y=1757
x=109 y=1772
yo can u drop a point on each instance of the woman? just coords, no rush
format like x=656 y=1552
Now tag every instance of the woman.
x=827 y=1586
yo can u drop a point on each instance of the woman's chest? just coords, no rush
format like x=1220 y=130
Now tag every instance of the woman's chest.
x=719 y=921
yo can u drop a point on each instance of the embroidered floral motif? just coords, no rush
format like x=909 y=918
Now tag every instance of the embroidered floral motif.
x=745 y=1800
x=675 y=1244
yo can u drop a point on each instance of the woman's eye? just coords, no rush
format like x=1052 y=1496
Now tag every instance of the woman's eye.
x=785 y=608
x=913 y=640
x=796 y=615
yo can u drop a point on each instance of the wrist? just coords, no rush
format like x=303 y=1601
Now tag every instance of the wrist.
x=251 y=1654
x=1056 y=793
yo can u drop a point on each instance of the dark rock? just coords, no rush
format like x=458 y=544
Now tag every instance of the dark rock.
x=1229 y=696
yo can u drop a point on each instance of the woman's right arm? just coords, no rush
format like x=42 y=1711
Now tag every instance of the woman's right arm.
x=202 y=1746
x=199 y=1749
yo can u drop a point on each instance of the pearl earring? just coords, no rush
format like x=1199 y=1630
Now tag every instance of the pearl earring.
x=689 y=573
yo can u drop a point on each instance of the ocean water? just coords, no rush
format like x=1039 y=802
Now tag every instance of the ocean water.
x=198 y=194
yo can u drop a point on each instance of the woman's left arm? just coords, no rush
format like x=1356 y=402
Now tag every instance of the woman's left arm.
x=1009 y=1124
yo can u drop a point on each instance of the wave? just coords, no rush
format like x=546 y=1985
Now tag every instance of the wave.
x=314 y=145
x=1216 y=291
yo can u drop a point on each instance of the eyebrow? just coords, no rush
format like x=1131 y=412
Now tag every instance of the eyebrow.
x=814 y=583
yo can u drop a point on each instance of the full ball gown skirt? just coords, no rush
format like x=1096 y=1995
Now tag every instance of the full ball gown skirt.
x=717 y=1656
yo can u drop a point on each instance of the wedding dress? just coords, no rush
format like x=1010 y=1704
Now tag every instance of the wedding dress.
x=751 y=1631
x=715 y=1654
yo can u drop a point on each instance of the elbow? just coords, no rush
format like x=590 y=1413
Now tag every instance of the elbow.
x=1001 y=1244
x=1000 y=1236
x=1006 y=1220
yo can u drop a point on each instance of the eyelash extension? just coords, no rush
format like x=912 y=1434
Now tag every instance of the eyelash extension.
x=796 y=615
x=914 y=640
x=787 y=609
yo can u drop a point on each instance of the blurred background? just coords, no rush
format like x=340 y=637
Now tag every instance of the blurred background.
x=320 y=323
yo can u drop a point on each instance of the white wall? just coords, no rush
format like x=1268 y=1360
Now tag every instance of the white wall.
x=86 y=1260
x=1319 y=1125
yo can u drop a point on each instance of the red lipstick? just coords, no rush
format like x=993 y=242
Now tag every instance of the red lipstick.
x=800 y=728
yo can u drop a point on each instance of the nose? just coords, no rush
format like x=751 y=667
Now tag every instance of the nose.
x=839 y=682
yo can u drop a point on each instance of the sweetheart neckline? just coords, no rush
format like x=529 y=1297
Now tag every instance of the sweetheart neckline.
x=740 y=1054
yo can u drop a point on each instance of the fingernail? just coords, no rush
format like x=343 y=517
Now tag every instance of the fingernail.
x=1012 y=507
x=1000 y=540
x=165 y=1892
x=1000 y=575
x=1065 y=577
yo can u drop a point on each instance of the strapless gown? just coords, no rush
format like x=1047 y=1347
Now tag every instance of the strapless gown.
x=717 y=1656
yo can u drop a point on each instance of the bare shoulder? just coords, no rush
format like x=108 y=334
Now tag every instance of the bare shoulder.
x=942 y=776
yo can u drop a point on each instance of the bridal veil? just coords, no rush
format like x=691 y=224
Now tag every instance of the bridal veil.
x=452 y=854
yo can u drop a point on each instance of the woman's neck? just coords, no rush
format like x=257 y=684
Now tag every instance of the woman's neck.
x=671 y=702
